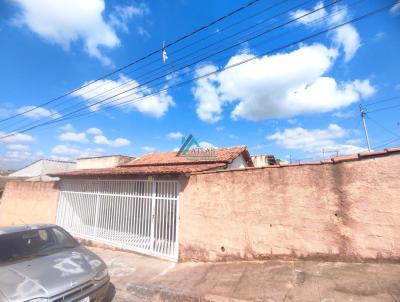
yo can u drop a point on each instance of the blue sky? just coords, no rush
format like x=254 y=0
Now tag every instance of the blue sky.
x=294 y=102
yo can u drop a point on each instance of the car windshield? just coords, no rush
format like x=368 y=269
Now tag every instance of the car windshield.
x=34 y=243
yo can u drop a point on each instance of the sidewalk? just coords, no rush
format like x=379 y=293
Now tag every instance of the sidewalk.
x=140 y=278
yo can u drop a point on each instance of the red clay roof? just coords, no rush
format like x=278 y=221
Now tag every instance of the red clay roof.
x=135 y=170
x=168 y=163
x=223 y=155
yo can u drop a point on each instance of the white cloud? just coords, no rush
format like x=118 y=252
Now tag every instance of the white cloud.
x=6 y=111
x=142 y=32
x=314 y=140
x=118 y=142
x=175 y=135
x=73 y=137
x=67 y=128
x=148 y=149
x=345 y=36
x=122 y=14
x=306 y=17
x=97 y=135
x=15 y=138
x=379 y=36
x=16 y=157
x=344 y=115
x=277 y=86
x=209 y=105
x=65 y=22
x=38 y=113
x=68 y=152
x=395 y=9
x=205 y=144
x=18 y=147
x=94 y=131
x=154 y=105
x=354 y=141
x=348 y=37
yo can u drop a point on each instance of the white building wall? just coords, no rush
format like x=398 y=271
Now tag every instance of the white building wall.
x=238 y=163
x=39 y=170
x=32 y=170
x=101 y=162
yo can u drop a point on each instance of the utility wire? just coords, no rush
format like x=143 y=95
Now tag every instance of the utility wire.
x=382 y=101
x=386 y=143
x=236 y=64
x=157 y=70
x=138 y=60
x=190 y=65
x=383 y=127
x=383 y=108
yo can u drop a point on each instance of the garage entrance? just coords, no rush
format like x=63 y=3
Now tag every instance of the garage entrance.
x=138 y=215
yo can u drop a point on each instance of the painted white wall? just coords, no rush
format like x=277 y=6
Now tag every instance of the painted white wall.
x=238 y=163
x=39 y=170
x=102 y=162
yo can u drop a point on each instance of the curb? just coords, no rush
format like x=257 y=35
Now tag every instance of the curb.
x=160 y=293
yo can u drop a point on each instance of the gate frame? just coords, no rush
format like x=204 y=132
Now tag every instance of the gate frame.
x=174 y=257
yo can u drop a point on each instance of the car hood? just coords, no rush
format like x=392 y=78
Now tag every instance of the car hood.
x=48 y=275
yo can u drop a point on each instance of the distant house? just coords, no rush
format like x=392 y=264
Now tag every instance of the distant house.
x=135 y=205
x=40 y=170
x=263 y=160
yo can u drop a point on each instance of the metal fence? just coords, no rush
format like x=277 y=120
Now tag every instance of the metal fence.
x=139 y=215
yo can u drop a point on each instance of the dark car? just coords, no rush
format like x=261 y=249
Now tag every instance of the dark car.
x=43 y=263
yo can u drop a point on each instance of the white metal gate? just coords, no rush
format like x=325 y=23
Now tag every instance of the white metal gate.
x=139 y=215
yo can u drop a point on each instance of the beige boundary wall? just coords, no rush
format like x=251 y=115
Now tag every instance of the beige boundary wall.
x=341 y=211
x=347 y=210
x=26 y=202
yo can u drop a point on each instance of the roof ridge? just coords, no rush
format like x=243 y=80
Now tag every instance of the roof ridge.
x=176 y=163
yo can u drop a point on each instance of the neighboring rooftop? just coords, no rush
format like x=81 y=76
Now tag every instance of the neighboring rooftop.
x=39 y=170
x=170 y=163
x=99 y=162
x=263 y=160
x=222 y=155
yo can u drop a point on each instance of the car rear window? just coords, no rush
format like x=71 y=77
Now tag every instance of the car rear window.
x=34 y=243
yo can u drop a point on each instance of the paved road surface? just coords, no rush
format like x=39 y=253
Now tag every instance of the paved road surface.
x=140 y=278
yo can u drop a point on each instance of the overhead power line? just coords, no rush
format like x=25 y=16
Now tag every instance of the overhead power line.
x=183 y=67
x=233 y=65
x=158 y=71
x=383 y=108
x=382 y=101
x=247 y=5
x=386 y=143
x=144 y=87
x=383 y=127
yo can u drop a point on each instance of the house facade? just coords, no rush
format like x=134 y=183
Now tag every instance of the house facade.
x=135 y=205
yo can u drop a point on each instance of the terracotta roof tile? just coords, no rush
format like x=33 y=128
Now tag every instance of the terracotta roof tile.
x=224 y=155
x=343 y=158
x=137 y=170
